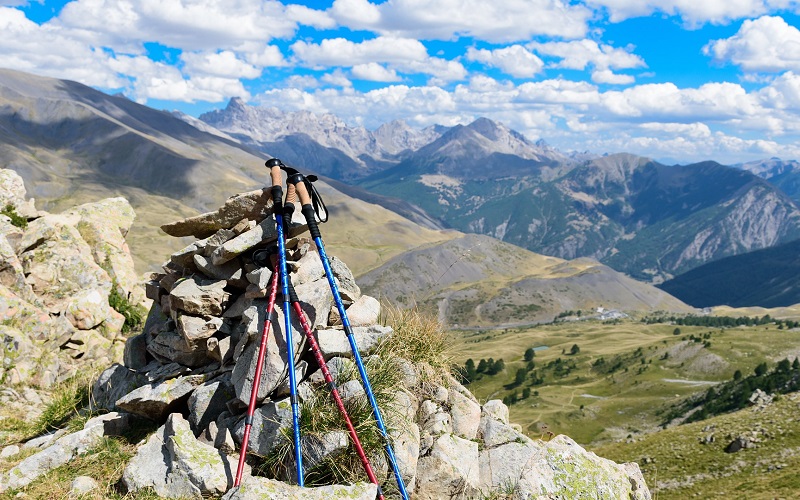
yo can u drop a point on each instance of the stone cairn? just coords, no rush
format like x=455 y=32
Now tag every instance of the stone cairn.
x=191 y=371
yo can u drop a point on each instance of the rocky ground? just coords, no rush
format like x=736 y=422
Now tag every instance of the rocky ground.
x=190 y=371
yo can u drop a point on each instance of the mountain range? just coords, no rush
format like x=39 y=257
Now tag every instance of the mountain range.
x=72 y=144
x=651 y=221
x=648 y=220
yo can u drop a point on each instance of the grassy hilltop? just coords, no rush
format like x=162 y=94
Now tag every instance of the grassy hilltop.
x=625 y=381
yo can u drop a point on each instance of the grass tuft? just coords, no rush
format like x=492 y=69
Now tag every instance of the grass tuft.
x=419 y=338
x=133 y=313
x=16 y=219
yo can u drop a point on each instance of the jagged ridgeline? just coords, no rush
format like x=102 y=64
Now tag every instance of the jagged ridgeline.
x=189 y=373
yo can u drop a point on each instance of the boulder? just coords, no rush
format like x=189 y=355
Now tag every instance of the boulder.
x=175 y=465
x=320 y=447
x=156 y=401
x=208 y=401
x=251 y=205
x=198 y=296
x=12 y=192
x=565 y=469
x=503 y=465
x=465 y=413
x=451 y=470
x=334 y=343
x=171 y=345
x=269 y=422
x=365 y=311
x=104 y=225
x=12 y=274
x=258 y=488
x=58 y=263
x=88 y=308
x=275 y=368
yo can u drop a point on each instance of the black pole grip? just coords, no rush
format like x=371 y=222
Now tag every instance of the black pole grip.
x=292 y=294
x=277 y=199
x=311 y=219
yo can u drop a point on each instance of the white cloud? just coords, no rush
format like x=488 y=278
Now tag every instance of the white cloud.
x=337 y=79
x=711 y=101
x=343 y=52
x=310 y=17
x=224 y=64
x=301 y=82
x=514 y=60
x=683 y=129
x=44 y=50
x=374 y=72
x=558 y=91
x=579 y=54
x=608 y=76
x=783 y=93
x=184 y=24
x=401 y=54
x=764 y=44
x=262 y=56
x=355 y=13
x=693 y=12
x=507 y=21
x=152 y=80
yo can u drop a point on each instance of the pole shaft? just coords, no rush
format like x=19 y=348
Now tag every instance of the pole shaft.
x=284 y=274
x=337 y=399
x=360 y=365
x=262 y=349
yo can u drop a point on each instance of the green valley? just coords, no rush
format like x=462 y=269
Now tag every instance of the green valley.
x=625 y=377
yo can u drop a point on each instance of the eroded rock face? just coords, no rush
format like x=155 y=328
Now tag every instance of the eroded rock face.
x=56 y=274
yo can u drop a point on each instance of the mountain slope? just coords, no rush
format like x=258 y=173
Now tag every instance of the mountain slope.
x=784 y=175
x=766 y=278
x=476 y=280
x=72 y=144
x=649 y=220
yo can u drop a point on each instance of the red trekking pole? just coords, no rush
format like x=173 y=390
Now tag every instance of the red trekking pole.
x=262 y=350
x=326 y=374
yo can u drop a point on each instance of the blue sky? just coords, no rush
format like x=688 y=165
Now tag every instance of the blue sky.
x=676 y=80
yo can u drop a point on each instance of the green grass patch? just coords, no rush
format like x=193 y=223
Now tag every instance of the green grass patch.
x=16 y=219
x=134 y=314
x=626 y=376
x=679 y=463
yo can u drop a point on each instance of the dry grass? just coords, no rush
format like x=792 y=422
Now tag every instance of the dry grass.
x=421 y=339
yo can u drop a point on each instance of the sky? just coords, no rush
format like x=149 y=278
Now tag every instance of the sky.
x=676 y=80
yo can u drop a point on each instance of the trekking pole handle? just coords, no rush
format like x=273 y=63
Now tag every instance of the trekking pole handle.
x=291 y=194
x=274 y=166
x=298 y=182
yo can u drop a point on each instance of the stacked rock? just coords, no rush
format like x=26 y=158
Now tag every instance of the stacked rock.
x=192 y=368
x=198 y=351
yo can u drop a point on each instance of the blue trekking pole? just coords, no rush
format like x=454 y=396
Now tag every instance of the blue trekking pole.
x=309 y=204
x=274 y=166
